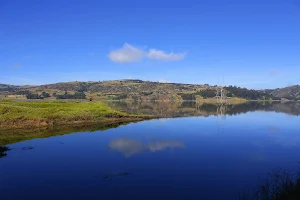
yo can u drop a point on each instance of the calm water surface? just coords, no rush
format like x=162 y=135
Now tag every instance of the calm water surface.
x=199 y=157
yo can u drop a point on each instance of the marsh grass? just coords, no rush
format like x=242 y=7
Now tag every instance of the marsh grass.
x=277 y=185
x=58 y=112
x=54 y=110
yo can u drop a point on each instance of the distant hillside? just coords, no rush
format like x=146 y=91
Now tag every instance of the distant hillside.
x=8 y=88
x=291 y=92
x=129 y=89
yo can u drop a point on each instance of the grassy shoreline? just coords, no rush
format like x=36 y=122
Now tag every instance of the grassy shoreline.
x=58 y=113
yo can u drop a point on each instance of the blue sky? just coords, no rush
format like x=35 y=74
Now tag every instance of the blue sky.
x=249 y=43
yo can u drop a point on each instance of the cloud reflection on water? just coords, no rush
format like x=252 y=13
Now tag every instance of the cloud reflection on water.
x=126 y=146
x=161 y=145
x=129 y=147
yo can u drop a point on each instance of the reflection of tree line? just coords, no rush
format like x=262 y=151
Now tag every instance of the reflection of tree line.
x=288 y=107
x=180 y=109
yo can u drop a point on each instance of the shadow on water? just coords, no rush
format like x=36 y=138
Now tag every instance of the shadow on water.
x=27 y=148
x=3 y=150
x=191 y=108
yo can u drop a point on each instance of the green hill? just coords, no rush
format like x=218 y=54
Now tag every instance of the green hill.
x=132 y=89
x=291 y=92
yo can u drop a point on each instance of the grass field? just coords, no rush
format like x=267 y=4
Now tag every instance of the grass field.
x=233 y=100
x=37 y=114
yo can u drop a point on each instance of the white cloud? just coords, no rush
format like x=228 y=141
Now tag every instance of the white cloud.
x=161 y=55
x=129 y=53
x=126 y=54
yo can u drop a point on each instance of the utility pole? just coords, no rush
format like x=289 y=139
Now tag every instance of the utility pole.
x=221 y=94
x=218 y=94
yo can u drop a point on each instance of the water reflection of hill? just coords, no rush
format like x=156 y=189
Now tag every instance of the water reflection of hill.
x=181 y=109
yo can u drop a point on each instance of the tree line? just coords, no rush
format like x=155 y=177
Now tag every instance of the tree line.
x=230 y=91
x=30 y=95
x=233 y=91
x=66 y=95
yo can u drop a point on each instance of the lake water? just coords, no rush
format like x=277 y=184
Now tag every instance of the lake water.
x=206 y=152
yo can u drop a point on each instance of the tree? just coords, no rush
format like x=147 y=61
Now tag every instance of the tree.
x=45 y=94
x=206 y=93
x=234 y=91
